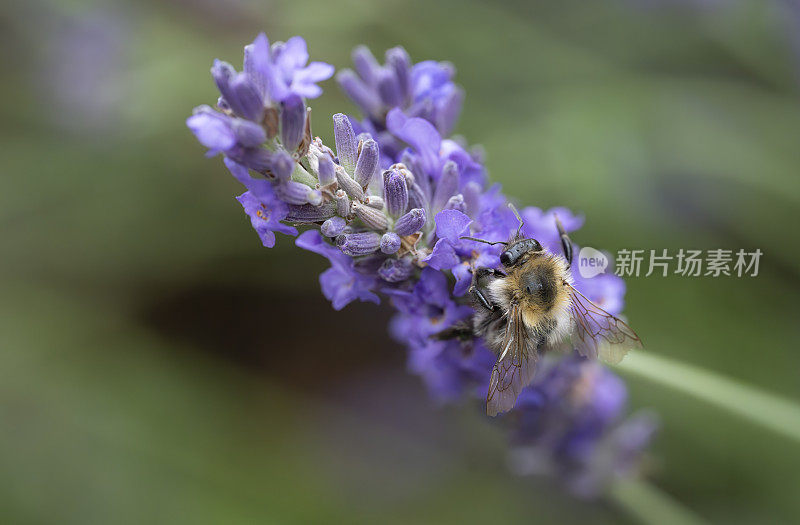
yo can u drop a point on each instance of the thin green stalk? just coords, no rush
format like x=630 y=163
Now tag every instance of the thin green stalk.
x=757 y=406
x=647 y=504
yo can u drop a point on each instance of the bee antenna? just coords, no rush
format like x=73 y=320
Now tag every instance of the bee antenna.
x=516 y=214
x=484 y=241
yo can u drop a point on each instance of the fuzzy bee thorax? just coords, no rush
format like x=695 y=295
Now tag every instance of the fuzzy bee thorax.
x=538 y=286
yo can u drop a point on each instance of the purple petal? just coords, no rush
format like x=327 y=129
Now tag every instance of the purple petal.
x=418 y=133
x=451 y=224
x=314 y=72
x=213 y=132
x=443 y=256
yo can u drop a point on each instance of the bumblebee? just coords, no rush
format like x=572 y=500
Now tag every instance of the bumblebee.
x=531 y=307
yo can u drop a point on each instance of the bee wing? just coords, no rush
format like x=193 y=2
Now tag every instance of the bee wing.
x=514 y=368
x=597 y=333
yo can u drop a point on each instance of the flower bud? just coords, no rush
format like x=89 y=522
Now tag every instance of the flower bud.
x=390 y=243
x=357 y=91
x=372 y=218
x=374 y=201
x=416 y=196
x=456 y=202
x=281 y=165
x=449 y=111
x=356 y=244
x=389 y=89
x=397 y=58
x=396 y=270
x=248 y=134
x=223 y=73
x=346 y=145
x=395 y=192
x=246 y=101
x=365 y=64
x=293 y=192
x=348 y=184
x=420 y=177
x=333 y=227
x=446 y=187
x=472 y=197
x=410 y=223
x=293 y=122
x=342 y=203
x=257 y=159
x=367 y=160
x=326 y=170
x=307 y=213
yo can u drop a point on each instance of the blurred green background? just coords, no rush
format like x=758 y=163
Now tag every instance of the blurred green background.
x=157 y=365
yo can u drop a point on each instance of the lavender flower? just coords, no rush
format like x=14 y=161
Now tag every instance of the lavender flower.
x=402 y=234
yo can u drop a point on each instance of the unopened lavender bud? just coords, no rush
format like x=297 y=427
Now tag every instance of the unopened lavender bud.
x=363 y=137
x=326 y=171
x=248 y=101
x=348 y=184
x=372 y=218
x=307 y=213
x=389 y=89
x=223 y=73
x=333 y=227
x=281 y=165
x=223 y=104
x=257 y=159
x=448 y=114
x=420 y=177
x=396 y=270
x=293 y=122
x=342 y=203
x=366 y=65
x=410 y=223
x=357 y=91
x=456 y=202
x=395 y=192
x=447 y=186
x=248 y=134
x=397 y=58
x=374 y=201
x=293 y=192
x=472 y=197
x=390 y=243
x=416 y=195
x=356 y=244
x=346 y=144
x=367 y=160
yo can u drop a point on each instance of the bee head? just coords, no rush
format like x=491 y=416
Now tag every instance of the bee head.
x=515 y=251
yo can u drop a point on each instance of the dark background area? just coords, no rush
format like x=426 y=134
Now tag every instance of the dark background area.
x=158 y=365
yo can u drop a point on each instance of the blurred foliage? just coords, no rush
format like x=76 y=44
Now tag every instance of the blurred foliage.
x=158 y=365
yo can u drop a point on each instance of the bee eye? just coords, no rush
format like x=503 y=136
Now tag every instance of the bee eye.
x=505 y=258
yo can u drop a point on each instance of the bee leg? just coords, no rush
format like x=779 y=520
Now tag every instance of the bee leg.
x=566 y=243
x=482 y=299
x=479 y=277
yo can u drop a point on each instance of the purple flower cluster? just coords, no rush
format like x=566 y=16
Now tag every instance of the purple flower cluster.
x=389 y=206
x=570 y=424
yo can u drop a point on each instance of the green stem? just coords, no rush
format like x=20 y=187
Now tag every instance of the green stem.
x=647 y=504
x=762 y=408
x=301 y=175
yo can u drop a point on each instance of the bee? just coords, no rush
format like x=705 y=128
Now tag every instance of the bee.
x=531 y=307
